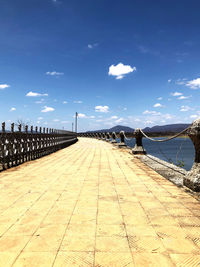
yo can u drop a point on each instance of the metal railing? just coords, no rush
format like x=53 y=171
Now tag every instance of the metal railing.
x=20 y=146
x=192 y=179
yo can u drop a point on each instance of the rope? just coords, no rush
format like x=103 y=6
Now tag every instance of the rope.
x=167 y=139
x=127 y=137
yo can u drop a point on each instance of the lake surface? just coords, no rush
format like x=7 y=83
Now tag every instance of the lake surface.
x=179 y=150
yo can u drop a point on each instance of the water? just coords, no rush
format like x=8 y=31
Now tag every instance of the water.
x=178 y=150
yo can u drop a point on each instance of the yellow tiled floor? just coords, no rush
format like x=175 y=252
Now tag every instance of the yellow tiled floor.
x=92 y=204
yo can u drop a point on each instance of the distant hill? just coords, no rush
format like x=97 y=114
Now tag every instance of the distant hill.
x=116 y=129
x=170 y=128
x=174 y=128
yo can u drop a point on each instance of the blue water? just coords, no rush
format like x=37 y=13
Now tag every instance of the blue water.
x=178 y=150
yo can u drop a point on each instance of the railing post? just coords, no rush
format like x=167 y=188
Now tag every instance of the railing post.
x=3 y=141
x=12 y=145
x=122 y=139
x=192 y=179
x=138 y=148
x=20 y=144
x=27 y=143
x=107 y=136
x=114 y=136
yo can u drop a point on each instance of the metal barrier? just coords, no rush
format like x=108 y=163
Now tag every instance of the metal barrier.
x=19 y=146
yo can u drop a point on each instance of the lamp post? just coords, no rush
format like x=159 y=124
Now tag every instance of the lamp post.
x=76 y=116
x=72 y=126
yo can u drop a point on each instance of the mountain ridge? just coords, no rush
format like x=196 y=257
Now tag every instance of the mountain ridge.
x=174 y=128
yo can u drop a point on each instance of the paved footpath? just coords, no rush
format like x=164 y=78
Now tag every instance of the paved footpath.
x=92 y=204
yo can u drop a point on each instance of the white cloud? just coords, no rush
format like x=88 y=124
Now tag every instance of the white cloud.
x=194 y=116
x=40 y=101
x=34 y=94
x=148 y=122
x=194 y=84
x=63 y=122
x=113 y=117
x=78 y=102
x=90 y=46
x=54 y=73
x=81 y=115
x=92 y=117
x=64 y=102
x=185 y=108
x=137 y=120
x=176 y=94
x=155 y=113
x=169 y=81
x=120 y=70
x=119 y=120
x=47 y=109
x=40 y=118
x=159 y=98
x=56 y=120
x=103 y=109
x=125 y=109
x=181 y=81
x=12 y=109
x=183 y=97
x=158 y=105
x=4 y=86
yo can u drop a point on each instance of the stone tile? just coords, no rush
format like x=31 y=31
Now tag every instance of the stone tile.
x=188 y=221
x=179 y=212
x=179 y=245
x=22 y=229
x=48 y=242
x=112 y=244
x=78 y=259
x=166 y=231
x=163 y=220
x=4 y=228
x=81 y=230
x=152 y=259
x=110 y=230
x=192 y=231
x=136 y=220
x=76 y=243
x=143 y=244
x=186 y=260
x=110 y=218
x=35 y=259
x=13 y=243
x=140 y=230
x=7 y=258
x=117 y=259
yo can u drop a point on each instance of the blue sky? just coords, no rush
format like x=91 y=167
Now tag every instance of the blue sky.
x=131 y=62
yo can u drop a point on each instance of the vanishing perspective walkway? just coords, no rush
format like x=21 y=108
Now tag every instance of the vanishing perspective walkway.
x=92 y=204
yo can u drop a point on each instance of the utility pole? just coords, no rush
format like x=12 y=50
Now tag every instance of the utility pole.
x=72 y=126
x=76 y=116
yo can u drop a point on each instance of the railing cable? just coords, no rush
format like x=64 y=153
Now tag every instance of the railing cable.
x=129 y=139
x=167 y=139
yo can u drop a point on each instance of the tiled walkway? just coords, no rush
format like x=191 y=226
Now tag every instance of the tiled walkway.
x=94 y=205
